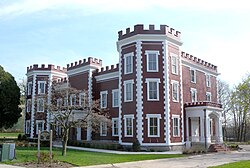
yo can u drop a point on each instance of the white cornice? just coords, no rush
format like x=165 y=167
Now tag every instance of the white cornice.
x=45 y=72
x=108 y=76
x=81 y=69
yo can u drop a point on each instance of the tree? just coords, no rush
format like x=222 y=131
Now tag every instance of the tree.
x=10 y=100
x=70 y=108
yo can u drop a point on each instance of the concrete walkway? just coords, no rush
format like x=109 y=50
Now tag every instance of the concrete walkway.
x=116 y=152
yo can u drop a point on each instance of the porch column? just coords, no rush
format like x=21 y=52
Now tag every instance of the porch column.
x=208 y=132
x=220 y=136
x=78 y=133
x=202 y=135
x=187 y=129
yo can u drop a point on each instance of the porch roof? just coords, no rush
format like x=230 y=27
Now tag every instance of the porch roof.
x=208 y=104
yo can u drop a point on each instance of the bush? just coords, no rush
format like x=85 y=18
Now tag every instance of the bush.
x=19 y=137
x=45 y=157
x=136 y=146
x=24 y=138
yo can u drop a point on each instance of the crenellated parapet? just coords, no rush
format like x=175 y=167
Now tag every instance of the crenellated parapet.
x=49 y=67
x=205 y=103
x=107 y=69
x=199 y=61
x=139 y=29
x=90 y=61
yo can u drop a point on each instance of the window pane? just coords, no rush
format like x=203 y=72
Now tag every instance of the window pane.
x=128 y=91
x=153 y=90
x=152 y=62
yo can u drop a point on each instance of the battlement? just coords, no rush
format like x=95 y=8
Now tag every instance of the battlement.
x=49 y=67
x=107 y=69
x=90 y=61
x=139 y=29
x=211 y=104
x=198 y=61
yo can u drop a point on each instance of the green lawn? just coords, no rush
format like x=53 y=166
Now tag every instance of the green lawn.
x=83 y=158
x=240 y=164
x=9 y=135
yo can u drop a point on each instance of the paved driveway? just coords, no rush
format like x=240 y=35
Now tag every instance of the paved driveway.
x=200 y=161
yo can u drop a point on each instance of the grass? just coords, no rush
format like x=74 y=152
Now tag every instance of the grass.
x=84 y=158
x=240 y=164
x=9 y=135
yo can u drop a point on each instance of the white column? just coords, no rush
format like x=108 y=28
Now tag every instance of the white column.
x=208 y=133
x=220 y=136
x=78 y=133
x=202 y=137
x=187 y=128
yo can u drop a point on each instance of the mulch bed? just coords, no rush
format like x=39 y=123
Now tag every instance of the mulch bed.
x=55 y=164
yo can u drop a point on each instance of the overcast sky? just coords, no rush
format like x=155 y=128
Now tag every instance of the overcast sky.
x=64 y=31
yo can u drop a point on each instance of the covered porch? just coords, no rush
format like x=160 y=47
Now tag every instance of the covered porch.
x=203 y=123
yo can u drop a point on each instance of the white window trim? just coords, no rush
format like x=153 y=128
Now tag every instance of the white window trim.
x=101 y=97
x=125 y=125
x=208 y=78
x=27 y=129
x=177 y=65
x=131 y=54
x=191 y=69
x=132 y=91
x=178 y=117
x=29 y=89
x=71 y=100
x=209 y=93
x=106 y=128
x=195 y=91
x=152 y=80
x=147 y=52
x=80 y=98
x=38 y=104
x=113 y=128
x=113 y=100
x=39 y=121
x=172 y=83
x=39 y=90
x=158 y=116
x=28 y=105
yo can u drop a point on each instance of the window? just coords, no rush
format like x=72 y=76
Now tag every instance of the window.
x=176 y=125
x=128 y=90
x=29 y=88
x=175 y=91
x=28 y=105
x=39 y=125
x=193 y=75
x=40 y=105
x=128 y=125
x=59 y=102
x=65 y=101
x=27 y=127
x=73 y=100
x=115 y=99
x=41 y=87
x=152 y=61
x=174 y=62
x=153 y=89
x=208 y=80
x=128 y=63
x=193 y=95
x=115 y=127
x=103 y=129
x=153 y=125
x=82 y=99
x=208 y=96
x=104 y=95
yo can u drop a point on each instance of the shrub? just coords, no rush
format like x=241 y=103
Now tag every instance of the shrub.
x=136 y=146
x=24 y=138
x=19 y=137
x=45 y=157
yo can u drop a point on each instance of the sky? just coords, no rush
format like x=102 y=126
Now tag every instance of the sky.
x=63 y=31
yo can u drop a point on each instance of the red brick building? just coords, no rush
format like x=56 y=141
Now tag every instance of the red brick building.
x=156 y=93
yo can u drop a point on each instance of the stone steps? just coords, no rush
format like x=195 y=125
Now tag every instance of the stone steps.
x=217 y=148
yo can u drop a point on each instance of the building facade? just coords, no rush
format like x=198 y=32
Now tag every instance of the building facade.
x=156 y=93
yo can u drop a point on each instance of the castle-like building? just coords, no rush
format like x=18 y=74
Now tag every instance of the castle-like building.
x=157 y=93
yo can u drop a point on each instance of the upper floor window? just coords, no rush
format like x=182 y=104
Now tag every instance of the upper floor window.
x=193 y=95
x=73 y=100
x=40 y=105
x=41 y=87
x=193 y=75
x=152 y=61
x=153 y=89
x=208 y=80
x=128 y=125
x=128 y=63
x=103 y=129
x=104 y=97
x=176 y=125
x=208 y=97
x=28 y=105
x=153 y=125
x=29 y=88
x=115 y=127
x=115 y=98
x=174 y=62
x=128 y=90
x=175 y=91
